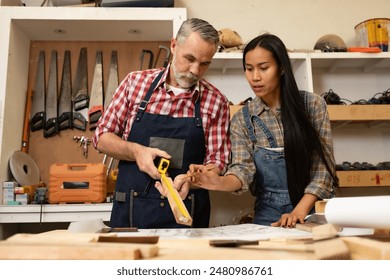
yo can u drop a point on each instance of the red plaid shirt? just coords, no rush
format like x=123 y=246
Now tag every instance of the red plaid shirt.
x=120 y=114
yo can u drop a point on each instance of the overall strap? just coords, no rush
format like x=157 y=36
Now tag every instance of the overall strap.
x=144 y=103
x=248 y=123
x=261 y=124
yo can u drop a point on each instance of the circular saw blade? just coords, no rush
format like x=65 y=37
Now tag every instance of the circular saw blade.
x=24 y=169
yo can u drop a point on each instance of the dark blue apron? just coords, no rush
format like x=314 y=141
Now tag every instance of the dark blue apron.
x=271 y=188
x=137 y=203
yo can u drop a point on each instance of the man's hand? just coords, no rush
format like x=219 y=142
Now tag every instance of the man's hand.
x=145 y=156
x=181 y=184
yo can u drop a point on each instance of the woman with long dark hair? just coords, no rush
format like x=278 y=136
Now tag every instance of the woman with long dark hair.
x=282 y=148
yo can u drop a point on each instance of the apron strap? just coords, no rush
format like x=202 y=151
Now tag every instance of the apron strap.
x=198 y=117
x=144 y=103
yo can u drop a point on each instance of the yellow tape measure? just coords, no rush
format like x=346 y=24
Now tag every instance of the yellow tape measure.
x=162 y=169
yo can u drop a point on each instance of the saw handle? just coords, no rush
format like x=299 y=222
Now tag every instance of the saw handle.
x=80 y=102
x=65 y=121
x=50 y=128
x=94 y=115
x=38 y=121
x=78 y=121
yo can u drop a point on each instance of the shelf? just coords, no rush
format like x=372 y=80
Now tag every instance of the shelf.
x=365 y=62
x=232 y=62
x=51 y=213
x=373 y=115
x=95 y=24
x=364 y=178
x=341 y=115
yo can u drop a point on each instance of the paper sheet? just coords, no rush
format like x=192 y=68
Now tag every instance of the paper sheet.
x=240 y=232
x=359 y=212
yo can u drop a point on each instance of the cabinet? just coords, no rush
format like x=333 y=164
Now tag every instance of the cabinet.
x=361 y=133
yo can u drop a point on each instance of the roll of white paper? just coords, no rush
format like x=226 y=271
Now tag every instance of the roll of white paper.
x=360 y=212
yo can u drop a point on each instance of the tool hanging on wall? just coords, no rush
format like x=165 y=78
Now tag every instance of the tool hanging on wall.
x=65 y=99
x=96 y=99
x=151 y=58
x=113 y=80
x=80 y=97
x=38 y=116
x=167 y=55
x=51 y=125
x=83 y=142
x=26 y=123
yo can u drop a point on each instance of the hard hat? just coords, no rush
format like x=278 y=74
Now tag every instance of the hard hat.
x=330 y=43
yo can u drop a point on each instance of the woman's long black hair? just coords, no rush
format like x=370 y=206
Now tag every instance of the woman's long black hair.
x=301 y=140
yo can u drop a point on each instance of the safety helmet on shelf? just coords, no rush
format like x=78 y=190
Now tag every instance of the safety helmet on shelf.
x=330 y=43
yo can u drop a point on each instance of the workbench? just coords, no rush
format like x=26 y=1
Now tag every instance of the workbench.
x=63 y=244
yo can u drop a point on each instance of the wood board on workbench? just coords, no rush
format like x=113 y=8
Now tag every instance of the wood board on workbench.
x=62 y=148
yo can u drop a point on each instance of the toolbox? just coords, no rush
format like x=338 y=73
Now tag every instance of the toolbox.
x=77 y=183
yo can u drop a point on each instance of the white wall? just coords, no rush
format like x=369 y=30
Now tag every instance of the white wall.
x=298 y=23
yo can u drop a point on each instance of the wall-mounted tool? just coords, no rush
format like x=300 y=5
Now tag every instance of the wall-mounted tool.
x=38 y=116
x=80 y=97
x=65 y=99
x=177 y=205
x=113 y=80
x=51 y=107
x=167 y=55
x=151 y=58
x=96 y=100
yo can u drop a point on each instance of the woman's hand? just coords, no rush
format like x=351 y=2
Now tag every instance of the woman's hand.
x=206 y=177
x=290 y=220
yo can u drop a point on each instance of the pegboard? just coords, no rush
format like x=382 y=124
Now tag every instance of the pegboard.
x=62 y=147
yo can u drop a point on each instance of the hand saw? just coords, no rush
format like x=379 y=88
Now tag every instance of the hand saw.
x=38 y=116
x=113 y=80
x=51 y=125
x=96 y=99
x=151 y=58
x=65 y=103
x=80 y=98
x=179 y=210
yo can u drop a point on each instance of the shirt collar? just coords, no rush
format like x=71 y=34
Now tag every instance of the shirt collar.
x=260 y=106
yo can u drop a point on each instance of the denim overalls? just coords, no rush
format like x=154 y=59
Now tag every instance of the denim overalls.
x=137 y=203
x=271 y=189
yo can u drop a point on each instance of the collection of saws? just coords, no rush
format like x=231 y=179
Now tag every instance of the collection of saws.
x=71 y=106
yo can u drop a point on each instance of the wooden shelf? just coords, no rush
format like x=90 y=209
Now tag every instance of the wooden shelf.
x=364 y=178
x=373 y=115
x=366 y=62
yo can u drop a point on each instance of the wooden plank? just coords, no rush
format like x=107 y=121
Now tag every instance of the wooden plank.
x=62 y=244
x=368 y=249
x=234 y=109
x=359 y=112
x=364 y=178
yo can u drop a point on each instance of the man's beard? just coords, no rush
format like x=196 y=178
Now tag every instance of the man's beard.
x=184 y=80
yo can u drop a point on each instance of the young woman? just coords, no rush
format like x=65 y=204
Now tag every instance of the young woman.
x=282 y=146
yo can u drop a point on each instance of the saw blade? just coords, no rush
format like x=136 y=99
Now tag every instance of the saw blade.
x=96 y=99
x=65 y=100
x=113 y=80
x=51 y=106
x=80 y=98
x=38 y=117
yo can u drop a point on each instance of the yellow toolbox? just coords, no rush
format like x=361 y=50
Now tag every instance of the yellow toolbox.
x=77 y=183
